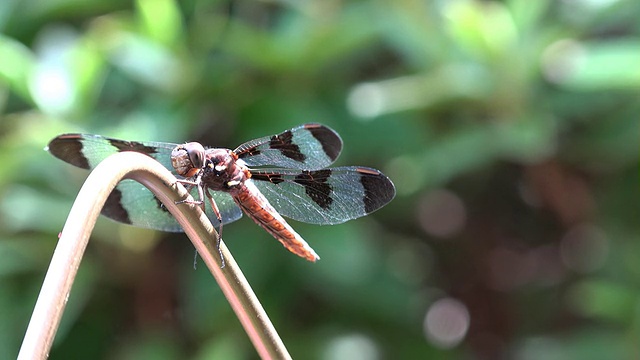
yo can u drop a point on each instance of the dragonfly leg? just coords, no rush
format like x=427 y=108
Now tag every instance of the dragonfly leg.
x=216 y=211
x=189 y=184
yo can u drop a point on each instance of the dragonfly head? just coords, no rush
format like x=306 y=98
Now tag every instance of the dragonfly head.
x=188 y=159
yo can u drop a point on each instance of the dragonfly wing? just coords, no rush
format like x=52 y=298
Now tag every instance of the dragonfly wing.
x=87 y=150
x=309 y=146
x=328 y=196
x=132 y=203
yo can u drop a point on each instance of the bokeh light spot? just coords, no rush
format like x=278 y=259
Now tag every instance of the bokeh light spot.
x=52 y=89
x=366 y=100
x=352 y=347
x=561 y=59
x=442 y=213
x=446 y=323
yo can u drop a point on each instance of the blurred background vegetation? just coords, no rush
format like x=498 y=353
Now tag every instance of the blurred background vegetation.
x=510 y=129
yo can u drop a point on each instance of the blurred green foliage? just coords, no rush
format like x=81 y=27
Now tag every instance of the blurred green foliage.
x=509 y=127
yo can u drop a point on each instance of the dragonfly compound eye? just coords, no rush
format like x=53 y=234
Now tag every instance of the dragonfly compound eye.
x=196 y=154
x=188 y=158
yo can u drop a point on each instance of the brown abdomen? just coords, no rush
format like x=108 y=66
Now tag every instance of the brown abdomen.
x=257 y=207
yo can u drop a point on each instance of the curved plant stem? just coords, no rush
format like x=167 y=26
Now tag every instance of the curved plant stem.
x=75 y=235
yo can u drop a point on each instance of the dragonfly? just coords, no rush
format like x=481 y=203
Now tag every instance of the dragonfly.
x=283 y=175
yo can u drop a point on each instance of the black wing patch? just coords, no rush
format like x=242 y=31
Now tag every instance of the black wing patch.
x=329 y=139
x=378 y=189
x=284 y=143
x=123 y=145
x=316 y=186
x=69 y=147
x=113 y=208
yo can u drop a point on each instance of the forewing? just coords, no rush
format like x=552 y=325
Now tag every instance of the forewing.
x=309 y=146
x=87 y=151
x=131 y=202
x=328 y=196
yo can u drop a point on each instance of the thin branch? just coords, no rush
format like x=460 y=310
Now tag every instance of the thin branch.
x=75 y=235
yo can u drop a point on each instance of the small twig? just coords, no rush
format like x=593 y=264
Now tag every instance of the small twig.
x=75 y=235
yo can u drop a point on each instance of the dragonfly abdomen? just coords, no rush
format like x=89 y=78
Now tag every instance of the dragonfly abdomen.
x=258 y=208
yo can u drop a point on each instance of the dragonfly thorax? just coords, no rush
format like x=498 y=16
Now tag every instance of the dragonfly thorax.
x=222 y=171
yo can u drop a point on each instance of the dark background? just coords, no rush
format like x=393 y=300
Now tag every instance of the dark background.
x=510 y=129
